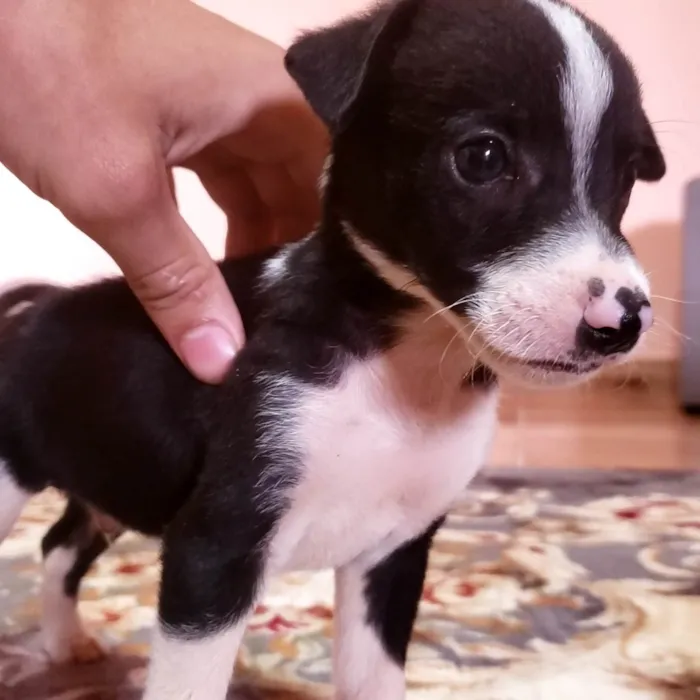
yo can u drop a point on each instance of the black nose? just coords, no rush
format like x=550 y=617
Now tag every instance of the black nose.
x=629 y=326
x=609 y=341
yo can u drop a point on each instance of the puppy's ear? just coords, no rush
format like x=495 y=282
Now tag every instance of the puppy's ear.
x=651 y=165
x=337 y=67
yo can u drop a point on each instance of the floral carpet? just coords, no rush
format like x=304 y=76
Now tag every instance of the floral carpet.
x=543 y=585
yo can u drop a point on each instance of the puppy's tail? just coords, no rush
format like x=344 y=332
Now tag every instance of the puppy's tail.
x=14 y=302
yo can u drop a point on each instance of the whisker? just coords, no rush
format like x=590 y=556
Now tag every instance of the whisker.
x=675 y=331
x=675 y=301
x=687 y=122
x=444 y=309
x=456 y=335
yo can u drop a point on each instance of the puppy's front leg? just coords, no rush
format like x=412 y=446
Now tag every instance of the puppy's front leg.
x=188 y=667
x=212 y=573
x=375 y=610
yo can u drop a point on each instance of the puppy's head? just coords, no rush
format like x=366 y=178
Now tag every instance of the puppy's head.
x=484 y=152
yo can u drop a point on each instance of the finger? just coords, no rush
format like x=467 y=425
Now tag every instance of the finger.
x=294 y=209
x=263 y=204
x=250 y=225
x=180 y=287
x=249 y=235
x=251 y=229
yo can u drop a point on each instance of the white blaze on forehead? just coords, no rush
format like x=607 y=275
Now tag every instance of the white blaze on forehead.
x=586 y=89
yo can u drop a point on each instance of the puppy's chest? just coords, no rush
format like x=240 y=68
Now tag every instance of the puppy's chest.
x=384 y=454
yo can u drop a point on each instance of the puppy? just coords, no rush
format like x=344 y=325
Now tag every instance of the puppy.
x=483 y=155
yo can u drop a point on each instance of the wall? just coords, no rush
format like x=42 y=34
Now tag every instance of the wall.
x=659 y=36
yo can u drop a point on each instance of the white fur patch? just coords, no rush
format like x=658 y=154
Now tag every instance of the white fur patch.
x=394 y=275
x=12 y=501
x=402 y=279
x=192 y=670
x=586 y=91
x=361 y=667
x=278 y=436
x=277 y=267
x=385 y=452
x=19 y=308
x=61 y=629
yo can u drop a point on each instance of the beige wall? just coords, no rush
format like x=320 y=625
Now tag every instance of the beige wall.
x=659 y=35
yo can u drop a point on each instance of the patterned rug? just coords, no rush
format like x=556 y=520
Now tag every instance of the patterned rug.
x=543 y=585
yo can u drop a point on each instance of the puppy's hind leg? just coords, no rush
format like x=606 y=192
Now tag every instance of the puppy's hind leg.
x=12 y=500
x=70 y=548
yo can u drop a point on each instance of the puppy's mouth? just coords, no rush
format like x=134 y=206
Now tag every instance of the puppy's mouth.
x=577 y=368
x=542 y=371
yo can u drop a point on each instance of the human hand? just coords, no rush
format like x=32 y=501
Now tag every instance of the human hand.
x=102 y=99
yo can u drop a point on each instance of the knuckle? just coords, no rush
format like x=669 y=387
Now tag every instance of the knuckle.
x=173 y=284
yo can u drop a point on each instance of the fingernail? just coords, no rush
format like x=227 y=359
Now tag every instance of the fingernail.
x=208 y=351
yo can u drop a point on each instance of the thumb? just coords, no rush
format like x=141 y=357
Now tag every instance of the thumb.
x=178 y=284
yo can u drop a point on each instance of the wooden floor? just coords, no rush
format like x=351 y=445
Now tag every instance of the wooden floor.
x=622 y=421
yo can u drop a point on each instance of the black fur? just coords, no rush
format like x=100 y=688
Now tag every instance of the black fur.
x=75 y=530
x=393 y=590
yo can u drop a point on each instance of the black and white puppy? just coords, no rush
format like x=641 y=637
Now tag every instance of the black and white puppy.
x=483 y=156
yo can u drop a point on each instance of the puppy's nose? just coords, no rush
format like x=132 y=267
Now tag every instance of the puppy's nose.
x=613 y=323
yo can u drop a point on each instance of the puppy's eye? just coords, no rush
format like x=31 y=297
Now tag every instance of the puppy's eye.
x=482 y=160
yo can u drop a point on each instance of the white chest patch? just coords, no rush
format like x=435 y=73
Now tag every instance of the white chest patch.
x=386 y=452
